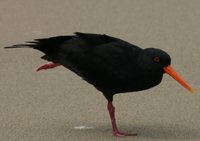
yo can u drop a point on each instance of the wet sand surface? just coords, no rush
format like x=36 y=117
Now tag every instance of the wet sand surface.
x=56 y=105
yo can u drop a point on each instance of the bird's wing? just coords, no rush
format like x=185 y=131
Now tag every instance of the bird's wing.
x=95 y=39
x=98 y=39
x=109 y=61
x=50 y=46
x=84 y=52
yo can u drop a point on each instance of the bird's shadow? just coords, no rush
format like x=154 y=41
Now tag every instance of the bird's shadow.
x=154 y=131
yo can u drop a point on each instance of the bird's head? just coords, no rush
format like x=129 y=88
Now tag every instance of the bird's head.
x=156 y=61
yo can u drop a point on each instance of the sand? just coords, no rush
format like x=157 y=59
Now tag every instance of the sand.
x=56 y=105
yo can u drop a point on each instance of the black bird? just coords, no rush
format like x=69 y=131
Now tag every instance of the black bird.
x=110 y=64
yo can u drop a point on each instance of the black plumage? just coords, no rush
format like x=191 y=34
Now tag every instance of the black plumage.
x=110 y=64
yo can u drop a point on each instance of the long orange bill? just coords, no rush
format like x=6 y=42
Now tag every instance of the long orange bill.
x=169 y=70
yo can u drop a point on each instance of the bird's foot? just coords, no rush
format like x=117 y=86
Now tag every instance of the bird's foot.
x=122 y=134
x=48 y=65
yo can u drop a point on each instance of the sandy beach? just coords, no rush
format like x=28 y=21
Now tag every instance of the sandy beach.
x=57 y=105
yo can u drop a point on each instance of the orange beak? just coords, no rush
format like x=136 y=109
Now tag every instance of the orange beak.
x=169 y=70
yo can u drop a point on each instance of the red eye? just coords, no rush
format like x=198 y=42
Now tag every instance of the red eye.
x=156 y=59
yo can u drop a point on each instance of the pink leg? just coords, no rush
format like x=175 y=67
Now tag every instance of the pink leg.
x=48 y=65
x=116 y=132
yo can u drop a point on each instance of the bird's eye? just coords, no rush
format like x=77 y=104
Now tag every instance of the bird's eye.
x=156 y=59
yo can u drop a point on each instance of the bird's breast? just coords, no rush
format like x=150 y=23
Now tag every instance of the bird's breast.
x=127 y=83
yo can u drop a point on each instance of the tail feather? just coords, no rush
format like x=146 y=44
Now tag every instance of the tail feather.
x=43 y=44
x=49 y=46
x=20 y=46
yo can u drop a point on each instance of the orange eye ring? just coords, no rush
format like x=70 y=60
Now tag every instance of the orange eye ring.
x=156 y=59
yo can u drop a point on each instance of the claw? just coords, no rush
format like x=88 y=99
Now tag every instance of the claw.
x=48 y=65
x=120 y=134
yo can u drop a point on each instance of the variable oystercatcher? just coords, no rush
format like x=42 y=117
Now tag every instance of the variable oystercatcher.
x=110 y=64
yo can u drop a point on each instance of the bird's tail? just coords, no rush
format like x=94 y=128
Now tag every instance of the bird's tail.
x=20 y=46
x=49 y=46
x=46 y=45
